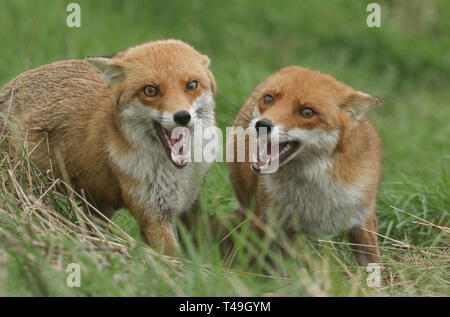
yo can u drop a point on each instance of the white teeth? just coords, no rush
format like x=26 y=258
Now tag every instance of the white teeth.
x=174 y=157
x=266 y=163
x=286 y=148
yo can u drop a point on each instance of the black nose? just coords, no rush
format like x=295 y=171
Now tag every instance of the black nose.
x=263 y=124
x=182 y=117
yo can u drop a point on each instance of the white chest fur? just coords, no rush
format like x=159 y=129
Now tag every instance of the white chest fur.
x=160 y=186
x=311 y=200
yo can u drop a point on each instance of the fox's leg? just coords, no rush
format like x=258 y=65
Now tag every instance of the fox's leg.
x=244 y=182
x=190 y=218
x=231 y=225
x=258 y=217
x=200 y=224
x=159 y=234
x=242 y=178
x=106 y=209
x=155 y=230
x=366 y=243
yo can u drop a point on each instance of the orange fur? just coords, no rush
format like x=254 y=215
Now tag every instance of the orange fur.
x=67 y=110
x=354 y=159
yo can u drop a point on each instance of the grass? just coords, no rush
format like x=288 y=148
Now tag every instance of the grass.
x=405 y=61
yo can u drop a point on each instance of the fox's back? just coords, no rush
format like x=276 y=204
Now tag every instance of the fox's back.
x=54 y=95
x=60 y=109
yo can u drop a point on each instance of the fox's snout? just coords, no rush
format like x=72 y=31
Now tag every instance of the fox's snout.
x=263 y=124
x=182 y=117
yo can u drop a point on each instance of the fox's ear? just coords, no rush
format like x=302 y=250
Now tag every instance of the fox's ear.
x=112 y=74
x=205 y=60
x=357 y=104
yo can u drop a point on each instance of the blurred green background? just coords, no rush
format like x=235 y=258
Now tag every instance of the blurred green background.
x=406 y=62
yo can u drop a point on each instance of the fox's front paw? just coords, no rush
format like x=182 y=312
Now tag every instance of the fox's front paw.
x=160 y=236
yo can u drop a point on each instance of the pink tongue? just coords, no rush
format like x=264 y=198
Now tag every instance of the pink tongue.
x=177 y=158
x=258 y=164
x=268 y=154
x=174 y=140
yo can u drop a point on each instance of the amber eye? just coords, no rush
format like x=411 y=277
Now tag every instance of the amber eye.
x=307 y=113
x=150 y=91
x=268 y=99
x=193 y=85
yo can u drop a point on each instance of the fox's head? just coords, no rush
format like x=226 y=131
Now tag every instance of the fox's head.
x=309 y=112
x=159 y=86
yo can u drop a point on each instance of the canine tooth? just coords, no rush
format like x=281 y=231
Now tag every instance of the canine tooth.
x=174 y=156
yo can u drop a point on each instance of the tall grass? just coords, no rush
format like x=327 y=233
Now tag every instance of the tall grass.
x=43 y=229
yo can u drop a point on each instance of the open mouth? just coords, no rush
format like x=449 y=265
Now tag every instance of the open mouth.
x=177 y=148
x=285 y=151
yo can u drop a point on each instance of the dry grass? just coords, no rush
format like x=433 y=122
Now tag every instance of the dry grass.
x=43 y=219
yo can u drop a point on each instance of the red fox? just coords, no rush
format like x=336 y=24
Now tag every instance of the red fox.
x=107 y=123
x=329 y=157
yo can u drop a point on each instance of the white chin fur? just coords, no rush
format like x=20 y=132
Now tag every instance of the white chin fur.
x=316 y=140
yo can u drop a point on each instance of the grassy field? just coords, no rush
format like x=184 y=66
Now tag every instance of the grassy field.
x=406 y=62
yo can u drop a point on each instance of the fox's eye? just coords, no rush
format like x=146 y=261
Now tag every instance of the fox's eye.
x=307 y=113
x=150 y=91
x=268 y=99
x=192 y=85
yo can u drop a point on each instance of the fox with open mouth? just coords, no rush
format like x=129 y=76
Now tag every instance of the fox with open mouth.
x=119 y=128
x=327 y=157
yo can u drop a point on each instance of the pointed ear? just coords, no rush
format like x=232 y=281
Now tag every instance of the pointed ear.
x=112 y=74
x=357 y=104
x=205 y=60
